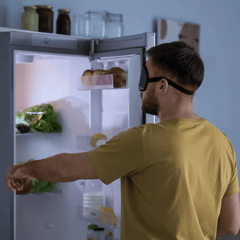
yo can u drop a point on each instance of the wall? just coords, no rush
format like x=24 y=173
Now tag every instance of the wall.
x=219 y=37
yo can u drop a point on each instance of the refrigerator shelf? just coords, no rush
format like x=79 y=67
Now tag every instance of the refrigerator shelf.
x=37 y=133
x=44 y=193
x=94 y=217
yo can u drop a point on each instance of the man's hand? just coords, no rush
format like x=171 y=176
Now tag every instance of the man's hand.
x=17 y=178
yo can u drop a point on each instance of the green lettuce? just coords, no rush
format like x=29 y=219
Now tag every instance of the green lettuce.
x=47 y=124
x=40 y=186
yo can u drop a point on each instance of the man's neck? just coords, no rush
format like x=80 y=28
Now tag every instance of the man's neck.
x=190 y=116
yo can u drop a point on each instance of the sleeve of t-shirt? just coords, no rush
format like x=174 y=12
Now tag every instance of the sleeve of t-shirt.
x=120 y=156
x=233 y=186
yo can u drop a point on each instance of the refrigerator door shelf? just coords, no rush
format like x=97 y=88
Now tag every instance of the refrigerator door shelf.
x=95 y=82
x=104 y=82
x=102 y=219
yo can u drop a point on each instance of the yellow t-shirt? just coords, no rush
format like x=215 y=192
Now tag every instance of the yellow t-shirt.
x=174 y=175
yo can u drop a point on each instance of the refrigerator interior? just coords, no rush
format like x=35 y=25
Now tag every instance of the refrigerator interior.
x=56 y=78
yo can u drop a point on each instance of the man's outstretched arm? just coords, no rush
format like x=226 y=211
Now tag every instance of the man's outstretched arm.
x=64 y=167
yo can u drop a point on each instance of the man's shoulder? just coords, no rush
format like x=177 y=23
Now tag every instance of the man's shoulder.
x=145 y=127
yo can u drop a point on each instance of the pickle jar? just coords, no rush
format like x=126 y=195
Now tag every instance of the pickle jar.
x=30 y=18
x=63 y=22
x=45 y=18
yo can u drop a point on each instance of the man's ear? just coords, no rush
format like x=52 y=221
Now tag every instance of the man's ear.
x=163 y=83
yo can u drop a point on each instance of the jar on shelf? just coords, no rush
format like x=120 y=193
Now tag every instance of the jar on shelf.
x=63 y=22
x=30 y=18
x=90 y=233
x=78 y=26
x=95 y=24
x=99 y=234
x=114 y=25
x=109 y=235
x=45 y=23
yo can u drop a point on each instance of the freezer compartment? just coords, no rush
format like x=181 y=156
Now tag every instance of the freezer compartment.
x=94 y=216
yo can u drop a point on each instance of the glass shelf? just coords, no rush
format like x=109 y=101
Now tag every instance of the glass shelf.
x=99 y=218
x=44 y=193
x=36 y=133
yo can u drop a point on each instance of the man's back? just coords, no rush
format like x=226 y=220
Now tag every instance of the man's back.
x=174 y=175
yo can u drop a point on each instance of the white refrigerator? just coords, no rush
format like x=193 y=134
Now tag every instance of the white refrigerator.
x=39 y=68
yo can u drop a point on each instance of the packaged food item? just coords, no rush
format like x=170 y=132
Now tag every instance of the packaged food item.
x=90 y=233
x=45 y=13
x=64 y=22
x=92 y=77
x=107 y=215
x=30 y=18
x=119 y=77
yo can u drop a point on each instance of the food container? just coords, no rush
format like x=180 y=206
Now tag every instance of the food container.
x=96 y=82
x=45 y=13
x=109 y=235
x=30 y=18
x=63 y=22
x=33 y=117
x=99 y=233
x=95 y=24
x=114 y=25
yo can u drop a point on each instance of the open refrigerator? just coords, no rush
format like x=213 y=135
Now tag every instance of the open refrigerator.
x=39 y=68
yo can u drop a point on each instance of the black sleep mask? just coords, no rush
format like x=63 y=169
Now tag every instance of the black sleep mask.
x=144 y=80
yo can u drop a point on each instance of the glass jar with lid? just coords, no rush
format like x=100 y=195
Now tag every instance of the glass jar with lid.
x=99 y=233
x=95 y=24
x=64 y=22
x=30 y=18
x=45 y=13
x=114 y=25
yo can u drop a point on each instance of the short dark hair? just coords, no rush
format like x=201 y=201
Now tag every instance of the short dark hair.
x=180 y=60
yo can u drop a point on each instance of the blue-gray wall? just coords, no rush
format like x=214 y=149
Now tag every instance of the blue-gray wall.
x=218 y=97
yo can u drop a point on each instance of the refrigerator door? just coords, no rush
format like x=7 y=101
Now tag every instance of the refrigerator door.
x=133 y=45
x=17 y=47
x=121 y=107
x=12 y=41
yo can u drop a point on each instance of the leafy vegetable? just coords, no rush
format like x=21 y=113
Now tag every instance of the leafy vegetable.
x=47 y=124
x=40 y=186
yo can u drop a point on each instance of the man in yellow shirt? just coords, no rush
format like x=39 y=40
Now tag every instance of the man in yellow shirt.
x=173 y=173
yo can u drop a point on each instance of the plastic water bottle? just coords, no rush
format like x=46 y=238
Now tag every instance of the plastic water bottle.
x=90 y=233
x=93 y=196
